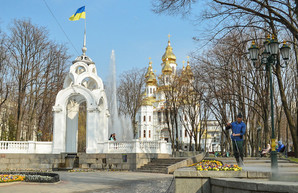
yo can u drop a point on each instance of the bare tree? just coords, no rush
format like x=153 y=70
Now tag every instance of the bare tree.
x=4 y=88
x=37 y=69
x=170 y=84
x=233 y=85
x=25 y=47
x=51 y=81
x=129 y=94
x=274 y=17
x=191 y=107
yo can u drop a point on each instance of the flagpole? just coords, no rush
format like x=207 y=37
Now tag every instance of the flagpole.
x=84 y=44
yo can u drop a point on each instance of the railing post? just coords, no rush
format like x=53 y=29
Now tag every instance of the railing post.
x=138 y=146
x=163 y=147
x=31 y=147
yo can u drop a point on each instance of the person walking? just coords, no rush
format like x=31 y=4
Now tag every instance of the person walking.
x=112 y=137
x=238 y=131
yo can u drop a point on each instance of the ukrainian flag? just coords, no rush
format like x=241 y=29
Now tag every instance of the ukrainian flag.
x=79 y=14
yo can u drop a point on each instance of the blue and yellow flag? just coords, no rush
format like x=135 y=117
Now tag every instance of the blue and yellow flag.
x=80 y=13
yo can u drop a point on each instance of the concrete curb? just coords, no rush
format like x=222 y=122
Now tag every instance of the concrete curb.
x=190 y=180
x=192 y=172
x=245 y=185
x=185 y=163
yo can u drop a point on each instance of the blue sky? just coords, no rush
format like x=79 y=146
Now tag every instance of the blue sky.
x=128 y=26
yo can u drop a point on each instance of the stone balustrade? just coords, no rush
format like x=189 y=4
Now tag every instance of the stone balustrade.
x=137 y=146
x=134 y=146
x=14 y=146
x=25 y=147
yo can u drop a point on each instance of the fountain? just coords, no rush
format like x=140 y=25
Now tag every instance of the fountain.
x=118 y=124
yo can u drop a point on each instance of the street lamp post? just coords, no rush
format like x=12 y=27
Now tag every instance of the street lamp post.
x=269 y=58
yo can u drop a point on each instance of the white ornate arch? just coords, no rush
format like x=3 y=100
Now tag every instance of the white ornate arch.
x=66 y=111
x=63 y=96
x=93 y=76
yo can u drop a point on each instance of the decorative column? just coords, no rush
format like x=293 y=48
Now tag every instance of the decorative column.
x=72 y=126
x=59 y=133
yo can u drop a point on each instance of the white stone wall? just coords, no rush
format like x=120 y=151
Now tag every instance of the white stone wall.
x=146 y=122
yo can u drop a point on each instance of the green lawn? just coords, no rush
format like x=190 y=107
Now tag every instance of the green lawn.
x=293 y=159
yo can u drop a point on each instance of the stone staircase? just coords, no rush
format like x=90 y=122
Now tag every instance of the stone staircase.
x=159 y=165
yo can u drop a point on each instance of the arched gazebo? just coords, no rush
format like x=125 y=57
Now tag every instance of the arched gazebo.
x=81 y=85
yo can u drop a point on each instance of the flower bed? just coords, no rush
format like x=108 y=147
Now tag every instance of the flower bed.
x=42 y=177
x=214 y=165
x=11 y=178
x=81 y=170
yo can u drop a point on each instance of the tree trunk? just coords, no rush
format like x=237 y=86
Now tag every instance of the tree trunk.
x=287 y=111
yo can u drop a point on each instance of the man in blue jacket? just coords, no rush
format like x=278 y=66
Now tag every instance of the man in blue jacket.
x=238 y=130
x=281 y=147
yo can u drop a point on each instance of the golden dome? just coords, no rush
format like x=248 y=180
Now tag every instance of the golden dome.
x=183 y=68
x=145 y=102
x=169 y=53
x=144 y=94
x=167 y=68
x=151 y=78
x=149 y=69
x=148 y=101
x=188 y=70
x=183 y=75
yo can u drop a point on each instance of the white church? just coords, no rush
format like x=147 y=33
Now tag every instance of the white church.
x=151 y=120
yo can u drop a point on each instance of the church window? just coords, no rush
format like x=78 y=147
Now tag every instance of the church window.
x=144 y=133
x=173 y=69
x=140 y=118
x=149 y=133
x=164 y=117
x=159 y=116
x=185 y=133
x=144 y=118
x=180 y=133
x=149 y=118
x=167 y=79
x=185 y=117
x=150 y=90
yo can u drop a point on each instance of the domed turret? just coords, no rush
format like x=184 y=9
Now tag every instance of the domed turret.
x=151 y=79
x=169 y=53
x=149 y=69
x=183 y=73
x=83 y=57
x=169 y=61
x=188 y=70
x=167 y=68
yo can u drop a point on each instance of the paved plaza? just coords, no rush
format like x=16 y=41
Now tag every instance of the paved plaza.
x=101 y=181
x=134 y=182
x=262 y=164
